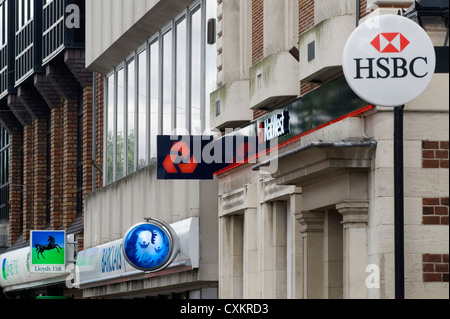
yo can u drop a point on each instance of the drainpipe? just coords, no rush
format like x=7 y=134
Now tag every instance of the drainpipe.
x=358 y=12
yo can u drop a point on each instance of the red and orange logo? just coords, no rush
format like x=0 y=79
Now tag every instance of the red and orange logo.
x=180 y=155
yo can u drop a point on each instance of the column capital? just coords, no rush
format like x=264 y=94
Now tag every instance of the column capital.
x=310 y=221
x=354 y=212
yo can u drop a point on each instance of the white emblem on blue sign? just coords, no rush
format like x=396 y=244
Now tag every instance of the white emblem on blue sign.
x=149 y=246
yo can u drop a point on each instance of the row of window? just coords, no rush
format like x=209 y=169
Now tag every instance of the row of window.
x=24 y=14
x=163 y=88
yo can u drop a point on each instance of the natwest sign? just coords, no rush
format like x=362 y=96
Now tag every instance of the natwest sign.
x=389 y=60
x=273 y=127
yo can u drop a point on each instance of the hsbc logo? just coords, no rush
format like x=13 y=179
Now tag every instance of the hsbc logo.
x=390 y=42
x=387 y=66
x=389 y=60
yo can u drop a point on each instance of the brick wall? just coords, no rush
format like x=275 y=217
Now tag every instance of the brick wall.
x=56 y=167
x=27 y=181
x=59 y=88
x=306 y=15
x=39 y=173
x=435 y=268
x=69 y=167
x=257 y=31
x=363 y=9
x=87 y=140
x=435 y=211
x=435 y=154
x=15 y=187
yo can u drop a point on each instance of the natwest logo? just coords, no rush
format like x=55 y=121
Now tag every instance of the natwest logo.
x=180 y=153
x=389 y=60
x=390 y=42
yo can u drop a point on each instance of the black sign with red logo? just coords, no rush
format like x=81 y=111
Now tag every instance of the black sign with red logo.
x=199 y=157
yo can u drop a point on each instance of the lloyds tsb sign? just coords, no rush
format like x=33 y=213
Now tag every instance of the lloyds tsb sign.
x=389 y=60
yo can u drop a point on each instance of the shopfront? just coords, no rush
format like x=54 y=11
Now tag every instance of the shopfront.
x=17 y=280
x=110 y=266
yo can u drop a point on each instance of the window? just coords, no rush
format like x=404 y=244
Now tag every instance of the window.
x=120 y=123
x=181 y=73
x=167 y=83
x=110 y=132
x=131 y=110
x=25 y=11
x=162 y=88
x=196 y=71
x=154 y=96
x=3 y=22
x=4 y=174
x=142 y=109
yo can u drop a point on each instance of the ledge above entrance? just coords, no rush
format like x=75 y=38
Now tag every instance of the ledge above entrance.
x=318 y=161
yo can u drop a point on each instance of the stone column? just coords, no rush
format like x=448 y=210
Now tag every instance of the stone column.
x=355 y=218
x=311 y=228
x=231 y=257
x=251 y=269
x=273 y=246
x=295 y=204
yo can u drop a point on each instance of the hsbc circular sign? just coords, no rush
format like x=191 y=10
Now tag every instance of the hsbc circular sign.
x=389 y=60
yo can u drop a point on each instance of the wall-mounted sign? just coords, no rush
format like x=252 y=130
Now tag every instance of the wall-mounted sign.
x=274 y=127
x=389 y=60
x=150 y=246
x=48 y=251
x=199 y=157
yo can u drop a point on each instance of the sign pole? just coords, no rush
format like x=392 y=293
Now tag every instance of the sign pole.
x=399 y=203
x=371 y=67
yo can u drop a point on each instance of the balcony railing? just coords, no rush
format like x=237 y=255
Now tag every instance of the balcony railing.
x=4 y=47
x=53 y=29
x=4 y=175
x=56 y=34
x=24 y=52
x=3 y=70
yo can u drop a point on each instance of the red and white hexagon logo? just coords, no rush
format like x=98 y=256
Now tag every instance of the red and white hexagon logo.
x=390 y=42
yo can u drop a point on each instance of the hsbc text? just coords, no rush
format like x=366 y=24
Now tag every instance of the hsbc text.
x=383 y=68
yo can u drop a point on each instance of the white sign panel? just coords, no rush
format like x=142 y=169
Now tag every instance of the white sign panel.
x=107 y=263
x=389 y=60
x=16 y=274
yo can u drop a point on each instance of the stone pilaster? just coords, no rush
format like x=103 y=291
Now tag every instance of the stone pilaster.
x=355 y=218
x=311 y=228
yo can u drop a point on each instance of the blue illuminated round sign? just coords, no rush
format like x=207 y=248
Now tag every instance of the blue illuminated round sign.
x=148 y=246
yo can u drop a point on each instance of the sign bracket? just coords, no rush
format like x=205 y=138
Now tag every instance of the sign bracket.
x=72 y=245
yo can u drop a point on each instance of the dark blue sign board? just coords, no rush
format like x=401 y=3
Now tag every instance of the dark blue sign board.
x=199 y=157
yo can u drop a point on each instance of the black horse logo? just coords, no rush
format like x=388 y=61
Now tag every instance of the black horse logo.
x=51 y=245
